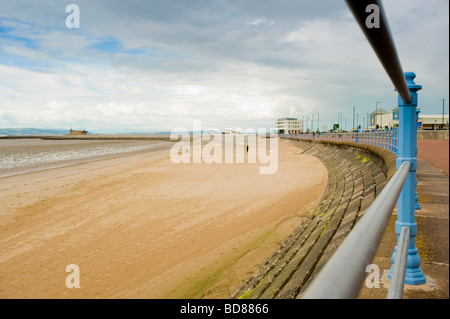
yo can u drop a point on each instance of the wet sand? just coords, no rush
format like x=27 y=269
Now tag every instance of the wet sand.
x=24 y=155
x=140 y=226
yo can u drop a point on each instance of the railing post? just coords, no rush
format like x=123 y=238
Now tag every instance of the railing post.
x=407 y=146
x=396 y=141
x=417 y=205
x=396 y=286
x=389 y=145
x=392 y=140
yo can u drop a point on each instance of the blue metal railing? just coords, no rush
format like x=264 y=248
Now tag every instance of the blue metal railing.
x=343 y=274
x=399 y=268
x=360 y=246
x=384 y=138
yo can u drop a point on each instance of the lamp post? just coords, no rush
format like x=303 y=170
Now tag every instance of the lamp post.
x=442 y=113
x=376 y=114
x=318 y=118
x=340 y=120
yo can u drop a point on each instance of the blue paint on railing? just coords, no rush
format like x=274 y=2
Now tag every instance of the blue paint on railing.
x=383 y=138
x=407 y=202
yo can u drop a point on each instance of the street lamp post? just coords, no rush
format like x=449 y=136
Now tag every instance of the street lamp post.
x=318 y=117
x=442 y=113
x=354 y=117
x=376 y=114
x=340 y=120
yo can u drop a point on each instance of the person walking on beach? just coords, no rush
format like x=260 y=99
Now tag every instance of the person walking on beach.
x=247 y=148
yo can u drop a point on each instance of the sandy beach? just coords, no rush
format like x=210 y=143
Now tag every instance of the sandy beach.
x=140 y=226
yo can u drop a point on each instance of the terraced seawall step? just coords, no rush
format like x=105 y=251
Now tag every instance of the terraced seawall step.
x=356 y=174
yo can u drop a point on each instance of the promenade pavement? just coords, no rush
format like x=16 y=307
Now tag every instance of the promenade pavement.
x=432 y=219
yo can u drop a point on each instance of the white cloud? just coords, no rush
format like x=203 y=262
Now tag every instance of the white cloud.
x=318 y=30
x=261 y=22
x=171 y=62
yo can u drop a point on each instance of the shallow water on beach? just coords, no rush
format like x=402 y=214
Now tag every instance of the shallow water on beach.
x=24 y=155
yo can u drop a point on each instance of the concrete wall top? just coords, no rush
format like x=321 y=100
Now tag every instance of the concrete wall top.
x=432 y=135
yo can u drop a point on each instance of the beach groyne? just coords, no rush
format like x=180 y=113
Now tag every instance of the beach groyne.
x=356 y=174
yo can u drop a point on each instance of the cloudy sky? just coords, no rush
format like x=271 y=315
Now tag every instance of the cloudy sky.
x=160 y=64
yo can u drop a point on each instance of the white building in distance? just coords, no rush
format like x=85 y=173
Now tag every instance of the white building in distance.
x=382 y=119
x=289 y=125
x=433 y=122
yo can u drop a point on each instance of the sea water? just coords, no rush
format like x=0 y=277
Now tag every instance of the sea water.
x=25 y=155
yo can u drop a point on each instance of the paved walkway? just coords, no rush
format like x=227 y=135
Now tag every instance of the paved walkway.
x=435 y=152
x=432 y=224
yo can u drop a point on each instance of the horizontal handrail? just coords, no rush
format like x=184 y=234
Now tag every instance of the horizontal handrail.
x=343 y=275
x=399 y=270
x=380 y=39
x=383 y=138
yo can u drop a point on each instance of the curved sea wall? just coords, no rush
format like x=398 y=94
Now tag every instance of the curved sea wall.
x=356 y=174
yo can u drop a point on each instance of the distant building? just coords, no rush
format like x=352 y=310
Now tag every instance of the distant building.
x=230 y=131
x=434 y=122
x=75 y=132
x=382 y=119
x=289 y=125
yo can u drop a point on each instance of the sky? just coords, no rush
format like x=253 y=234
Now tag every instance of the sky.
x=157 y=65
